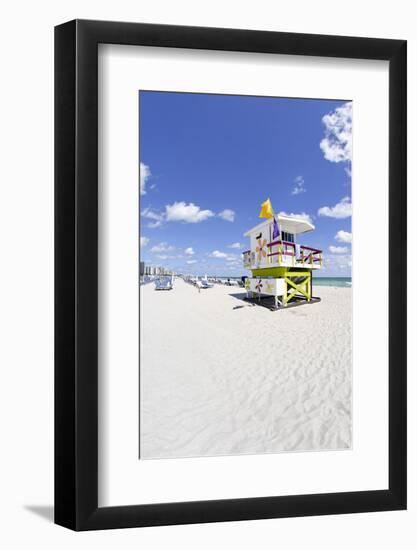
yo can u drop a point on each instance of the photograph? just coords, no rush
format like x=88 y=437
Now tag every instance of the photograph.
x=245 y=274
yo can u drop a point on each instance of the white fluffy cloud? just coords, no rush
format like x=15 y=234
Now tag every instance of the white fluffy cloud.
x=162 y=247
x=183 y=212
x=230 y=258
x=300 y=216
x=338 y=249
x=342 y=209
x=338 y=262
x=188 y=213
x=190 y=262
x=337 y=143
x=227 y=214
x=218 y=254
x=235 y=245
x=144 y=241
x=189 y=251
x=156 y=217
x=144 y=175
x=298 y=186
x=177 y=212
x=343 y=236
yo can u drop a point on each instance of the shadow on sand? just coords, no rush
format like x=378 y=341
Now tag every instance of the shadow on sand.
x=268 y=302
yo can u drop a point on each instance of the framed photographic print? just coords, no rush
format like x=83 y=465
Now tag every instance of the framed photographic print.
x=230 y=275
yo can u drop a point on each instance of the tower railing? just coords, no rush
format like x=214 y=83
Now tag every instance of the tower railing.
x=307 y=256
x=284 y=253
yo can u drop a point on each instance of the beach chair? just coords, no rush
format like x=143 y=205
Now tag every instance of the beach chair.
x=163 y=284
x=206 y=284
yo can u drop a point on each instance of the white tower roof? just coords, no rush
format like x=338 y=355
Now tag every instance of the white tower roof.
x=289 y=224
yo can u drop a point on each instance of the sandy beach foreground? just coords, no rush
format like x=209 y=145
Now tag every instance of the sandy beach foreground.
x=220 y=376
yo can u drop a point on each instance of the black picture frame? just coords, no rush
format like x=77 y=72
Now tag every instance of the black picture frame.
x=76 y=272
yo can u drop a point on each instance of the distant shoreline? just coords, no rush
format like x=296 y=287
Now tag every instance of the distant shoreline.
x=340 y=282
x=334 y=282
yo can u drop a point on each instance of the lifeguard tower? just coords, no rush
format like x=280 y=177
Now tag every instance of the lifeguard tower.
x=280 y=266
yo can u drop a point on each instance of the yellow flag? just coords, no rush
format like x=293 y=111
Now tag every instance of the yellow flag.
x=266 y=210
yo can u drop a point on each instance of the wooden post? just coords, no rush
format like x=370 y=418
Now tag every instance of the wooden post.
x=311 y=285
x=284 y=298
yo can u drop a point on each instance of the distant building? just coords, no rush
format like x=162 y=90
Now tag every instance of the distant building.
x=151 y=270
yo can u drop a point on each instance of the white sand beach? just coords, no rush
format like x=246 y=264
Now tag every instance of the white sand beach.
x=220 y=376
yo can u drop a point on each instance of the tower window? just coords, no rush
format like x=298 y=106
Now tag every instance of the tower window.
x=289 y=237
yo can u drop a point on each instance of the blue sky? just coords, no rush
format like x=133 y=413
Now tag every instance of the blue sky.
x=207 y=162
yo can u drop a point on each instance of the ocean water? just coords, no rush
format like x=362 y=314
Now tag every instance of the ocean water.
x=332 y=281
x=345 y=282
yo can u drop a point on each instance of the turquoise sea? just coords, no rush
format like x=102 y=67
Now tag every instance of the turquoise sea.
x=317 y=281
x=332 y=281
